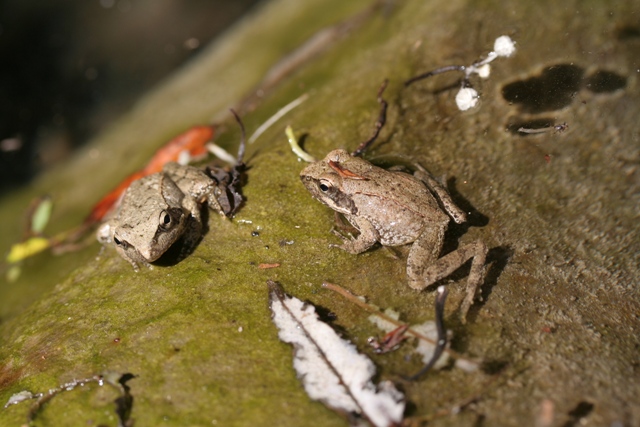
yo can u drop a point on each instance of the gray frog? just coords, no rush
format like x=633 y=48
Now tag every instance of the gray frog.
x=395 y=208
x=157 y=210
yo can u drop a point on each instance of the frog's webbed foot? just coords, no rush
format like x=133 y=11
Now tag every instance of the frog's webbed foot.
x=353 y=246
x=454 y=260
x=366 y=239
x=136 y=267
x=346 y=237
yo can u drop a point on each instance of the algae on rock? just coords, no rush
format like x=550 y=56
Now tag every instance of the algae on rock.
x=560 y=309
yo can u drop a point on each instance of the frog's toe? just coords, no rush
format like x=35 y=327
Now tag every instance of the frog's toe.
x=347 y=239
x=418 y=285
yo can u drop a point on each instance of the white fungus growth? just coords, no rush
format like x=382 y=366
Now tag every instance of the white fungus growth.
x=484 y=71
x=466 y=98
x=504 y=46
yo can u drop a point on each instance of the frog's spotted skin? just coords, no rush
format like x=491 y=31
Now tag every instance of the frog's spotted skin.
x=395 y=208
x=157 y=210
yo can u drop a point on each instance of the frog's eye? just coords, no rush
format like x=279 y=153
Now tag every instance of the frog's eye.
x=324 y=186
x=121 y=243
x=165 y=220
x=170 y=218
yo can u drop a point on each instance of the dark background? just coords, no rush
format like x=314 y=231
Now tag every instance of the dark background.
x=70 y=68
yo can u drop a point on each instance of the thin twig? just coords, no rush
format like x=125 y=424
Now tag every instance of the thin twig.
x=241 y=148
x=434 y=72
x=295 y=146
x=441 y=298
x=277 y=116
x=382 y=119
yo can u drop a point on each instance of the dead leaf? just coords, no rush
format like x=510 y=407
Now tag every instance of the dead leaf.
x=330 y=368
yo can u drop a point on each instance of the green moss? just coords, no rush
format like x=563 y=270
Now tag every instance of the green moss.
x=560 y=309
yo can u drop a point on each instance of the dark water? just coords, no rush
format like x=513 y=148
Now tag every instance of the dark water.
x=72 y=67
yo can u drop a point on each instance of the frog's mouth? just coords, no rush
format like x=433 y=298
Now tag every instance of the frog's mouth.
x=153 y=255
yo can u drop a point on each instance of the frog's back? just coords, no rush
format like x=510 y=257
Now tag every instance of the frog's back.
x=140 y=191
x=401 y=211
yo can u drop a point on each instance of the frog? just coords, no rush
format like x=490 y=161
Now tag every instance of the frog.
x=396 y=208
x=158 y=209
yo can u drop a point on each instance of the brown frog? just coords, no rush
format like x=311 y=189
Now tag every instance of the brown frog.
x=157 y=210
x=396 y=208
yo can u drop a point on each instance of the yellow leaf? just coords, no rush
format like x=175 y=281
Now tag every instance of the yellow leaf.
x=23 y=250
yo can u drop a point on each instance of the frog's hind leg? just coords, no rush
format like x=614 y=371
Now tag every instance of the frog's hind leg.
x=424 y=268
x=441 y=192
x=423 y=254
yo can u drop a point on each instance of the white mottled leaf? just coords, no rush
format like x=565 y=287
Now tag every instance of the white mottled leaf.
x=19 y=397
x=331 y=368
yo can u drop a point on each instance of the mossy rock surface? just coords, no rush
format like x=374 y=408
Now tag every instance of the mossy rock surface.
x=560 y=317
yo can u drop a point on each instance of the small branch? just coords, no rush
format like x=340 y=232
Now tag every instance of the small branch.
x=434 y=72
x=348 y=295
x=124 y=402
x=277 y=116
x=467 y=96
x=441 y=298
x=295 y=147
x=382 y=119
x=241 y=148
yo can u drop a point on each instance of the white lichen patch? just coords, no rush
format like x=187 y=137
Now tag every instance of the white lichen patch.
x=384 y=324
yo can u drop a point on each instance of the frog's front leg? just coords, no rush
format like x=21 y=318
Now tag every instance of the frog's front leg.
x=193 y=227
x=424 y=268
x=368 y=236
x=105 y=232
